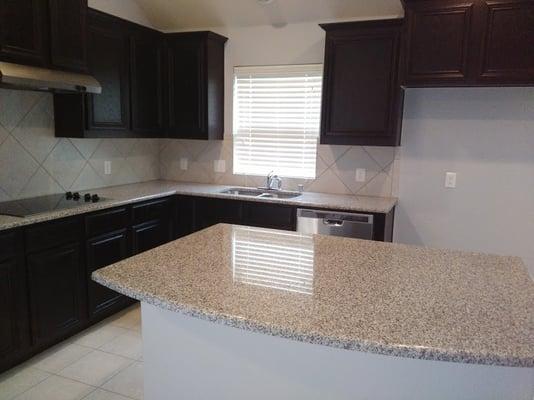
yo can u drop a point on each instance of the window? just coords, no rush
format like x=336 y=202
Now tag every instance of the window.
x=277 y=112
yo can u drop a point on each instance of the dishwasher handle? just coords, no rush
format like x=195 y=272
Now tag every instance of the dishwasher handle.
x=333 y=222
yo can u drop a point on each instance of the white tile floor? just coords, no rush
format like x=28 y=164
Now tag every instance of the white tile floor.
x=102 y=363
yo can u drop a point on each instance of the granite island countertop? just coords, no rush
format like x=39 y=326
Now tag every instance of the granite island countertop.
x=132 y=193
x=376 y=297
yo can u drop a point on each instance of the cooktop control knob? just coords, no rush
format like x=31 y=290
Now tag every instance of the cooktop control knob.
x=76 y=196
x=68 y=195
x=95 y=198
x=87 y=197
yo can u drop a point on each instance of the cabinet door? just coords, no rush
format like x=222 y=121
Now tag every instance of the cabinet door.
x=210 y=212
x=22 y=25
x=361 y=94
x=146 y=82
x=68 y=34
x=507 y=55
x=149 y=235
x=14 y=330
x=266 y=215
x=108 y=62
x=439 y=40
x=56 y=284
x=187 y=89
x=102 y=251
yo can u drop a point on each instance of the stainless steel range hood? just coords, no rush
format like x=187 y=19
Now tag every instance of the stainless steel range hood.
x=34 y=78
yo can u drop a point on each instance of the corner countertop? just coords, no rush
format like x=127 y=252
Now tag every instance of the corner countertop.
x=375 y=297
x=126 y=194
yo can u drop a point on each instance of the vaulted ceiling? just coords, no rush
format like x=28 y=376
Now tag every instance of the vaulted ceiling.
x=169 y=15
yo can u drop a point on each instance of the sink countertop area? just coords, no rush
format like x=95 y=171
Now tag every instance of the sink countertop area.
x=126 y=194
x=368 y=296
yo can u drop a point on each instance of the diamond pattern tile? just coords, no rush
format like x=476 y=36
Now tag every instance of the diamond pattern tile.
x=33 y=161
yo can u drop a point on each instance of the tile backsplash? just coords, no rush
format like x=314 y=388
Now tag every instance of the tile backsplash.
x=336 y=167
x=34 y=162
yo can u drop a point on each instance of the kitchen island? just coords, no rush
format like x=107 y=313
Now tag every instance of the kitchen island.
x=235 y=312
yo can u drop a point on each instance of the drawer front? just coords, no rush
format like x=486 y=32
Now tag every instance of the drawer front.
x=152 y=210
x=106 y=221
x=8 y=244
x=53 y=234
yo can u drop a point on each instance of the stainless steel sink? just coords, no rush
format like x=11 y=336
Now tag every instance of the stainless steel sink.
x=260 y=193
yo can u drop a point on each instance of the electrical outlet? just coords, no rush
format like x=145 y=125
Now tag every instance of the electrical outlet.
x=184 y=164
x=219 y=166
x=450 y=180
x=360 y=174
x=107 y=167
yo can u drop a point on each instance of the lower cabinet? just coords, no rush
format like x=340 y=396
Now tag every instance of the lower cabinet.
x=149 y=235
x=14 y=329
x=100 y=252
x=268 y=215
x=57 y=294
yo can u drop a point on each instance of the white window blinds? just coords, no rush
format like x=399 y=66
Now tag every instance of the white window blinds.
x=277 y=112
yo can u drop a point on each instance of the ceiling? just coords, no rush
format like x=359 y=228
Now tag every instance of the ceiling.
x=169 y=15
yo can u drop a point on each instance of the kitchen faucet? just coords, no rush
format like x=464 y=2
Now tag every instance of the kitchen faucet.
x=274 y=182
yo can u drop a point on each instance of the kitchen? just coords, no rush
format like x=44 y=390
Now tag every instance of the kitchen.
x=158 y=165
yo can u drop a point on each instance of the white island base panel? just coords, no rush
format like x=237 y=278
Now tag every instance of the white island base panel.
x=189 y=358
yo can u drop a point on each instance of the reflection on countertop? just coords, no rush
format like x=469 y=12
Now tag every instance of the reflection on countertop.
x=347 y=293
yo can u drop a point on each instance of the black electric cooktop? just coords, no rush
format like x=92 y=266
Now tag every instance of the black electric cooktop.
x=42 y=204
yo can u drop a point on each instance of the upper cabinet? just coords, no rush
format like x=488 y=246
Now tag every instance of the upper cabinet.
x=362 y=98
x=108 y=54
x=195 y=77
x=153 y=84
x=68 y=34
x=146 y=51
x=48 y=33
x=22 y=31
x=468 y=42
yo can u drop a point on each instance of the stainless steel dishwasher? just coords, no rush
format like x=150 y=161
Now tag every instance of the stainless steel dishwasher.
x=335 y=223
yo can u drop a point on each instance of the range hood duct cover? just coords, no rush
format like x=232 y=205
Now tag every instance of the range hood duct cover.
x=34 y=78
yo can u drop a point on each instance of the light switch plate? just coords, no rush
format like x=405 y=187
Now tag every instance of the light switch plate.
x=107 y=167
x=450 y=180
x=219 y=166
x=184 y=164
x=360 y=174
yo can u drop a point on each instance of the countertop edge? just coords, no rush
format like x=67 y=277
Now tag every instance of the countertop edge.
x=16 y=222
x=406 y=351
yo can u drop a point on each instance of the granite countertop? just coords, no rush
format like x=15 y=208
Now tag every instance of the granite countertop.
x=125 y=194
x=353 y=294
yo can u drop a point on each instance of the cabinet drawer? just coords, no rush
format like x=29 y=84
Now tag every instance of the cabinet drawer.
x=106 y=221
x=269 y=216
x=152 y=210
x=52 y=234
x=8 y=244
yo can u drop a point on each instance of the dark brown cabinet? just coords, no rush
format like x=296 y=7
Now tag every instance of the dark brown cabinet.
x=146 y=50
x=508 y=42
x=49 y=33
x=468 y=43
x=68 y=34
x=195 y=76
x=108 y=242
x=102 y=251
x=14 y=328
x=55 y=280
x=22 y=31
x=266 y=215
x=108 y=55
x=152 y=224
x=362 y=98
x=210 y=212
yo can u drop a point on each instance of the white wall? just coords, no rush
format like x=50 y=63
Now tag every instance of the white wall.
x=486 y=135
x=127 y=9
